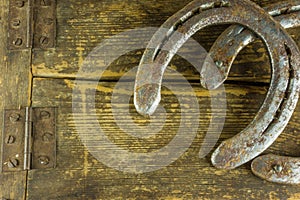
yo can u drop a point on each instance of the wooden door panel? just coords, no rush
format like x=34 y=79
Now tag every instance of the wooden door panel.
x=81 y=176
x=82 y=25
x=44 y=78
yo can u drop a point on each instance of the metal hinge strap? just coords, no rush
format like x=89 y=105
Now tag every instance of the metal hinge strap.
x=32 y=24
x=28 y=131
x=29 y=139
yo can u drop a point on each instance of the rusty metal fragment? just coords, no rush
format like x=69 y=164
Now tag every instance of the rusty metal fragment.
x=282 y=96
x=277 y=169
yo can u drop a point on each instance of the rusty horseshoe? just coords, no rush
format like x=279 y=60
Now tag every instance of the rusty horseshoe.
x=282 y=96
x=236 y=37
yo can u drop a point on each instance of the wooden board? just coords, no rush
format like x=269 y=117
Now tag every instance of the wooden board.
x=83 y=25
x=14 y=89
x=80 y=176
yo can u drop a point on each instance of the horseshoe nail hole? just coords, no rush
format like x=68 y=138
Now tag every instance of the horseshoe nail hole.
x=218 y=4
x=231 y=42
x=285 y=11
x=277 y=168
x=197 y=11
x=221 y=4
x=177 y=25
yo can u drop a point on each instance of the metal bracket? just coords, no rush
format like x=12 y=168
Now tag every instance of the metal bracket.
x=29 y=139
x=32 y=24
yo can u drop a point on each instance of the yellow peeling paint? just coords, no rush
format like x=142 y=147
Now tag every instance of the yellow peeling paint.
x=85 y=163
x=294 y=196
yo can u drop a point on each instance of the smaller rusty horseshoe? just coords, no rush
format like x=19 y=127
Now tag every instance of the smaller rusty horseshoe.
x=236 y=37
x=277 y=169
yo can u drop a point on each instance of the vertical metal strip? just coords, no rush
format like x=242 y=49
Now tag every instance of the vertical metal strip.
x=28 y=131
x=19 y=37
x=13 y=140
x=30 y=23
x=44 y=24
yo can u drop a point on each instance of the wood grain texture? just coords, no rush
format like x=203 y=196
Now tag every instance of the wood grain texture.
x=14 y=87
x=80 y=176
x=83 y=25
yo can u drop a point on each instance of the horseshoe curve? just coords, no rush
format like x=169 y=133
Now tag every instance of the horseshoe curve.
x=282 y=96
x=229 y=44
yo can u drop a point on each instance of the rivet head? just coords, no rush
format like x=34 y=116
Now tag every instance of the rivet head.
x=45 y=2
x=44 y=40
x=10 y=139
x=20 y=4
x=18 y=42
x=14 y=117
x=277 y=168
x=48 y=21
x=47 y=137
x=16 y=23
x=45 y=114
x=13 y=163
x=219 y=63
x=43 y=160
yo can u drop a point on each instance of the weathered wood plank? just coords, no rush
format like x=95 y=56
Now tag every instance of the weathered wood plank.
x=14 y=88
x=82 y=25
x=80 y=176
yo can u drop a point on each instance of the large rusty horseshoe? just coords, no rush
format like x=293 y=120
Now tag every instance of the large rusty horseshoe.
x=236 y=37
x=282 y=96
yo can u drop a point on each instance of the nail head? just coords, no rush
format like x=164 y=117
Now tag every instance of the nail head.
x=13 y=163
x=18 y=42
x=20 y=4
x=10 y=139
x=45 y=114
x=44 y=160
x=14 y=117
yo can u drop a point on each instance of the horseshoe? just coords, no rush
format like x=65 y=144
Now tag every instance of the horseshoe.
x=282 y=96
x=236 y=37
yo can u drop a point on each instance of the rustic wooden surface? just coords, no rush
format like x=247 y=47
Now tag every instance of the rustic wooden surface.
x=82 y=25
x=80 y=176
x=14 y=89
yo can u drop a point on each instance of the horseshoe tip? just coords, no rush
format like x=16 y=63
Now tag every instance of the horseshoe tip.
x=224 y=157
x=147 y=98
